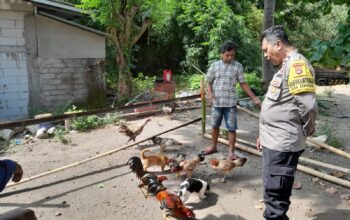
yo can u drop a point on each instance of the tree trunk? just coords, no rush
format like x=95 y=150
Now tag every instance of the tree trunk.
x=269 y=10
x=124 y=79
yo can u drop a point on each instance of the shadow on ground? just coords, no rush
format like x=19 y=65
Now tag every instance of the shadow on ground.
x=334 y=214
x=223 y=217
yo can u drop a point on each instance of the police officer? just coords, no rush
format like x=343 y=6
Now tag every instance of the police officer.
x=287 y=117
x=8 y=169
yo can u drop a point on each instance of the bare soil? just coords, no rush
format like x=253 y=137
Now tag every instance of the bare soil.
x=106 y=189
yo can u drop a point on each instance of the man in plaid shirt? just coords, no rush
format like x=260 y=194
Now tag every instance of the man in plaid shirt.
x=222 y=77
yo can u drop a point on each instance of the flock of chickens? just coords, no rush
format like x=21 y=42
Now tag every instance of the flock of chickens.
x=171 y=204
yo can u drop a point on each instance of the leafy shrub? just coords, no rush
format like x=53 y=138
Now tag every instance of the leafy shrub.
x=254 y=83
x=92 y=121
x=188 y=81
x=60 y=135
x=142 y=83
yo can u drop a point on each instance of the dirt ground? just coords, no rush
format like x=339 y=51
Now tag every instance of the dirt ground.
x=106 y=189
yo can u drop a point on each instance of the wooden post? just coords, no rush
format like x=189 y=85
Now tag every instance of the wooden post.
x=204 y=107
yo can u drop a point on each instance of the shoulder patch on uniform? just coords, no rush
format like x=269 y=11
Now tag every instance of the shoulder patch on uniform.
x=300 y=78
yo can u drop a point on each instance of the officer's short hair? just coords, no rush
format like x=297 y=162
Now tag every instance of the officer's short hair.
x=275 y=33
x=228 y=46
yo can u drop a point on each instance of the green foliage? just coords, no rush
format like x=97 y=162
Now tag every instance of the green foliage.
x=60 y=135
x=334 y=51
x=92 y=121
x=188 y=82
x=208 y=24
x=143 y=83
x=254 y=83
x=319 y=29
x=330 y=132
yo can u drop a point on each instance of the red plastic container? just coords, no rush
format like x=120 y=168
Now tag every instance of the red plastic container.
x=167 y=75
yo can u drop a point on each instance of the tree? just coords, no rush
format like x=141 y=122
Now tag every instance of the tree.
x=269 y=10
x=207 y=24
x=126 y=21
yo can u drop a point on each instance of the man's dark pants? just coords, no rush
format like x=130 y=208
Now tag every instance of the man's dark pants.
x=278 y=178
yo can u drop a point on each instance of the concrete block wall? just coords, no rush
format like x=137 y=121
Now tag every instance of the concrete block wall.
x=13 y=66
x=67 y=81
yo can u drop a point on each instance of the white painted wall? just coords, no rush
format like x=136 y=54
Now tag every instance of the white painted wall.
x=59 y=40
x=13 y=66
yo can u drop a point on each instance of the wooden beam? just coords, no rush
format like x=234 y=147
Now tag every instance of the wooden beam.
x=23 y=123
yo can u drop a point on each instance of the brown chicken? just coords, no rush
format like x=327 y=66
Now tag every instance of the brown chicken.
x=226 y=165
x=186 y=166
x=132 y=133
x=172 y=206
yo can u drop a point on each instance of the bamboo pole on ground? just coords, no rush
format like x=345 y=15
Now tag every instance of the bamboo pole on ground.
x=101 y=155
x=323 y=145
x=248 y=111
x=306 y=160
x=299 y=167
x=328 y=147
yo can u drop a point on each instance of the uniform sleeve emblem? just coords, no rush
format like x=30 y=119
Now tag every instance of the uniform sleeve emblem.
x=300 y=78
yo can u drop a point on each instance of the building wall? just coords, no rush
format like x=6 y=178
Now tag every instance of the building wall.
x=59 y=40
x=45 y=64
x=67 y=81
x=13 y=65
x=61 y=77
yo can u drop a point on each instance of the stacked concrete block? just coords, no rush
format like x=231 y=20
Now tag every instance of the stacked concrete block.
x=13 y=66
x=65 y=81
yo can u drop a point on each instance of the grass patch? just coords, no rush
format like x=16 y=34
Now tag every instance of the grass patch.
x=60 y=135
x=7 y=145
x=329 y=91
x=330 y=132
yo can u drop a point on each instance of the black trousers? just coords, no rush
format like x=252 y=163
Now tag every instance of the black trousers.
x=278 y=178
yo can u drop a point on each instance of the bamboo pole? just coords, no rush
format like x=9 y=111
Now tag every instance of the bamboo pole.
x=101 y=155
x=328 y=147
x=204 y=107
x=299 y=167
x=323 y=145
x=248 y=111
x=307 y=160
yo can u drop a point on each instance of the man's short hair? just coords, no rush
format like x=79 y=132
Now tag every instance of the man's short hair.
x=228 y=46
x=275 y=33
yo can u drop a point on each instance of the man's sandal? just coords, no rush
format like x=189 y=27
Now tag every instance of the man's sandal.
x=210 y=150
x=232 y=157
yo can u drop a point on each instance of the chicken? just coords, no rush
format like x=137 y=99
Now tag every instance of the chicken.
x=150 y=181
x=186 y=165
x=226 y=165
x=132 y=133
x=172 y=206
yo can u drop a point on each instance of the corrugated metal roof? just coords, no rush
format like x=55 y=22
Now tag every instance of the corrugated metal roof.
x=58 y=5
x=73 y=24
x=63 y=12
